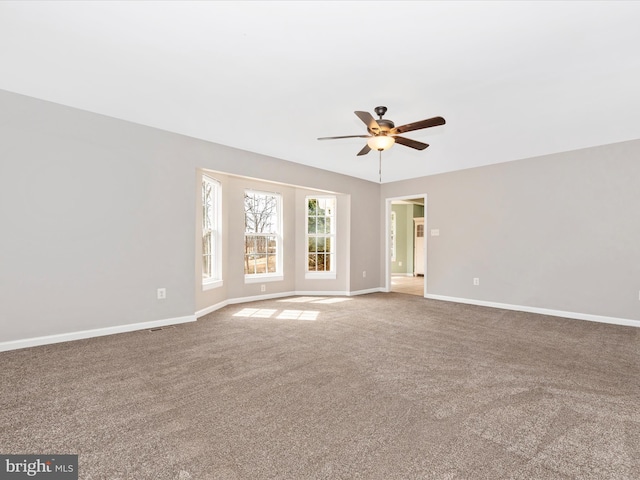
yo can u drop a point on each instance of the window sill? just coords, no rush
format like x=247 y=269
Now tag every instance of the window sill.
x=320 y=275
x=264 y=277
x=211 y=284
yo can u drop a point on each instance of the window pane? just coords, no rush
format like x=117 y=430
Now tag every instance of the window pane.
x=312 y=225
x=206 y=266
x=249 y=264
x=312 y=262
x=320 y=266
x=320 y=244
x=328 y=262
x=328 y=225
x=272 y=246
x=261 y=244
x=312 y=206
x=271 y=264
x=261 y=212
x=207 y=248
x=328 y=245
x=312 y=245
x=250 y=244
x=260 y=263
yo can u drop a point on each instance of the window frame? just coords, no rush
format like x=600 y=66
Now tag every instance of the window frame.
x=278 y=275
x=322 y=274
x=215 y=279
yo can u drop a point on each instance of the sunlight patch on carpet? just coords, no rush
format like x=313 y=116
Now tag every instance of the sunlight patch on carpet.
x=299 y=315
x=307 y=315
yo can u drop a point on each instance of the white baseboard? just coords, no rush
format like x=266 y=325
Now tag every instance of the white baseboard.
x=212 y=308
x=365 y=292
x=97 y=332
x=322 y=294
x=543 y=311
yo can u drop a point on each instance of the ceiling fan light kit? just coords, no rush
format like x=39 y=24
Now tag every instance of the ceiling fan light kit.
x=381 y=142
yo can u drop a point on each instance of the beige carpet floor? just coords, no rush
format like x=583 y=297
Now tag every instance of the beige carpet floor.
x=381 y=386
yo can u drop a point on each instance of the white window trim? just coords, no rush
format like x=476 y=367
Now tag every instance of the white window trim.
x=263 y=277
x=278 y=275
x=320 y=275
x=216 y=280
x=323 y=275
x=211 y=284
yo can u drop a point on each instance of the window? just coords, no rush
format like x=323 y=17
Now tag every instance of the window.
x=321 y=235
x=262 y=236
x=211 y=244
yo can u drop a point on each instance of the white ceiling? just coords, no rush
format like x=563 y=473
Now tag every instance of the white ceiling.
x=513 y=79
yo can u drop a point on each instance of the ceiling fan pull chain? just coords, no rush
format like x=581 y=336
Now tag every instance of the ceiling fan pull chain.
x=380 y=165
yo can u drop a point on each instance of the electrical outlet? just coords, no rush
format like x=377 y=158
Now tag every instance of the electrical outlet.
x=399 y=264
x=476 y=281
x=364 y=274
x=263 y=288
x=435 y=232
x=162 y=293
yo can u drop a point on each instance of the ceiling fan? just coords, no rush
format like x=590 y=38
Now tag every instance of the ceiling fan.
x=383 y=133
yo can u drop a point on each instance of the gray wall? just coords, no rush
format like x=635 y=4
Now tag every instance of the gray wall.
x=560 y=232
x=97 y=213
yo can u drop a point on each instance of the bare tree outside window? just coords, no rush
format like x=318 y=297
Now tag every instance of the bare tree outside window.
x=261 y=225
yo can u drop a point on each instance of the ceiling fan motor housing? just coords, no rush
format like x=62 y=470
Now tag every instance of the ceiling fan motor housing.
x=385 y=125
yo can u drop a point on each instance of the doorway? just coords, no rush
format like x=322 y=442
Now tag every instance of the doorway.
x=406 y=252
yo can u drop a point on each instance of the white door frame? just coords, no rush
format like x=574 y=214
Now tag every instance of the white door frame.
x=387 y=239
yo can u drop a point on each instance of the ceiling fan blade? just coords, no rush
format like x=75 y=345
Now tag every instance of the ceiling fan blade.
x=366 y=149
x=369 y=121
x=346 y=136
x=409 y=127
x=407 y=142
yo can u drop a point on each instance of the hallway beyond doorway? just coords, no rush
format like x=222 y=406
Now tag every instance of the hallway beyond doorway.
x=408 y=284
